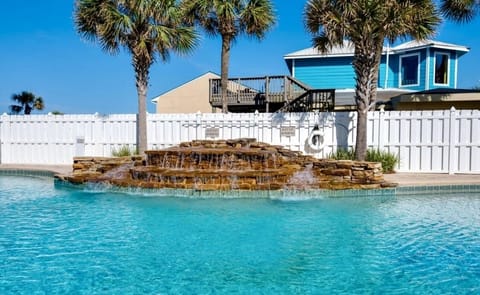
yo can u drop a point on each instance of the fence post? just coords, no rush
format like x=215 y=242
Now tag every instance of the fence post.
x=5 y=138
x=1 y=135
x=381 y=132
x=198 y=116
x=452 y=160
x=255 y=125
x=98 y=139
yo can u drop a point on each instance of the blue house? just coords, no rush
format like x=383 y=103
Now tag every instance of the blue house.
x=409 y=67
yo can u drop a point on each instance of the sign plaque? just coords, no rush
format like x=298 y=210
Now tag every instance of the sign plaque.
x=287 y=131
x=212 y=132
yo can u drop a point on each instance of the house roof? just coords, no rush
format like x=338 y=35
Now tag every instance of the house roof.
x=213 y=75
x=416 y=44
x=348 y=50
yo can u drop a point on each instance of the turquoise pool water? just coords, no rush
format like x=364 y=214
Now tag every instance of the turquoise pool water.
x=57 y=240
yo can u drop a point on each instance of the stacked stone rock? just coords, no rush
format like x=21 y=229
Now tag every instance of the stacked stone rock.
x=241 y=164
x=94 y=168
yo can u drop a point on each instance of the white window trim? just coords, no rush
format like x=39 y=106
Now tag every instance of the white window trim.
x=455 y=78
x=418 y=70
x=435 y=67
x=427 y=70
x=293 y=68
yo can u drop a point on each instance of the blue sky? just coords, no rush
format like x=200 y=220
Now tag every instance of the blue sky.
x=41 y=52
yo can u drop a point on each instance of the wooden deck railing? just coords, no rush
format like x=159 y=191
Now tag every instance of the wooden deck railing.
x=257 y=91
x=270 y=94
x=312 y=100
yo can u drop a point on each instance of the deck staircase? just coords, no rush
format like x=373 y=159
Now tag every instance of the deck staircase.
x=271 y=94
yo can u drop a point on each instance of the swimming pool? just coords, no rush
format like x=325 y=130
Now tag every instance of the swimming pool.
x=59 y=240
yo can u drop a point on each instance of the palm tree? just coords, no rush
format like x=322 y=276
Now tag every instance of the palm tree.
x=367 y=24
x=147 y=29
x=26 y=102
x=229 y=19
x=460 y=10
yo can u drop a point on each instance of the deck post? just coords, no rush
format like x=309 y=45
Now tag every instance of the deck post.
x=238 y=90
x=210 y=91
x=267 y=91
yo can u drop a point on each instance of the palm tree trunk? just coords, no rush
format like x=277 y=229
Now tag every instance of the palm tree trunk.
x=141 y=75
x=225 y=59
x=27 y=109
x=361 y=142
x=366 y=66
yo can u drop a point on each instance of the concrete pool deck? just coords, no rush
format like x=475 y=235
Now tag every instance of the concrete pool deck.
x=59 y=169
x=402 y=178
x=427 y=179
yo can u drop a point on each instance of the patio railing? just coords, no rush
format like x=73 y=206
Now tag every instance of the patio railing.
x=322 y=100
x=262 y=93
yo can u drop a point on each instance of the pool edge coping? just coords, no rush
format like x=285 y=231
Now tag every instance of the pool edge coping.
x=397 y=191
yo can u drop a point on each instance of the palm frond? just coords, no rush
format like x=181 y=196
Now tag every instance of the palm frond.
x=24 y=97
x=15 y=109
x=326 y=24
x=460 y=10
x=26 y=101
x=38 y=104
x=257 y=18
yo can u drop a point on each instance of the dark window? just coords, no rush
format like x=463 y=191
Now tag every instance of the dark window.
x=409 y=70
x=441 y=68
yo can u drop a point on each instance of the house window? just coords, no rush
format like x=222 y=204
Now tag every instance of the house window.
x=441 y=68
x=409 y=70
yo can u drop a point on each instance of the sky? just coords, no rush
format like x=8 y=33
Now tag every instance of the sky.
x=41 y=52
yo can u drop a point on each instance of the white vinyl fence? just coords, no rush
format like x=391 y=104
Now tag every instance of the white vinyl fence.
x=426 y=141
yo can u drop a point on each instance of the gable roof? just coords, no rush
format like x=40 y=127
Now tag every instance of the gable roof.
x=416 y=44
x=348 y=49
x=208 y=74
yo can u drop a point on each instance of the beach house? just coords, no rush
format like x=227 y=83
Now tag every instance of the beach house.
x=405 y=69
x=413 y=75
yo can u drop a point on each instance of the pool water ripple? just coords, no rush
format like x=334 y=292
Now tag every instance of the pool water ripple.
x=57 y=240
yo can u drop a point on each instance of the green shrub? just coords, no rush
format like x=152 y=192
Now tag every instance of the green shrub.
x=388 y=160
x=124 y=151
x=342 y=154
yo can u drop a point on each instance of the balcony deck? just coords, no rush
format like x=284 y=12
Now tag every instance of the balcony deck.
x=265 y=94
